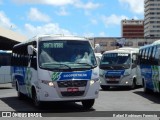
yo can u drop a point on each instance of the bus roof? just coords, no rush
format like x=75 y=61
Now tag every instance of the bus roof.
x=53 y=37
x=123 y=50
x=128 y=48
x=146 y=46
x=157 y=42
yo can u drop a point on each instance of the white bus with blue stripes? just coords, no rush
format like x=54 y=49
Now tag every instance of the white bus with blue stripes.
x=5 y=66
x=119 y=68
x=56 y=68
x=149 y=57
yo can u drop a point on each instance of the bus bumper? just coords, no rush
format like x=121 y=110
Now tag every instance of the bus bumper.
x=124 y=81
x=55 y=94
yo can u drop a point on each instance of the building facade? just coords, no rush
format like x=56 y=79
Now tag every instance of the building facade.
x=151 y=18
x=132 y=28
x=110 y=43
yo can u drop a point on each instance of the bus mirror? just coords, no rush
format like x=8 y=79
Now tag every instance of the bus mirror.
x=134 y=57
x=30 y=49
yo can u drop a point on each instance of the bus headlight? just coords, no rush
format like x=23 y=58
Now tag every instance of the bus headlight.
x=49 y=83
x=93 y=81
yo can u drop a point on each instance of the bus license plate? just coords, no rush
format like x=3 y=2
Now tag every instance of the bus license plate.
x=72 y=89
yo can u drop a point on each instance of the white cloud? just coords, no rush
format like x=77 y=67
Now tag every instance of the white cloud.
x=88 y=34
x=113 y=19
x=102 y=34
x=48 y=2
x=5 y=21
x=76 y=3
x=94 y=21
x=136 y=6
x=87 y=6
x=49 y=28
x=62 y=12
x=35 y=15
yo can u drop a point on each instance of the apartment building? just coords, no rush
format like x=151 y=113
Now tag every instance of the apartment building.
x=151 y=18
x=132 y=28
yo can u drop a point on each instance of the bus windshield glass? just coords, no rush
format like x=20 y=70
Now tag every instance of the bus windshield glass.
x=66 y=54
x=116 y=60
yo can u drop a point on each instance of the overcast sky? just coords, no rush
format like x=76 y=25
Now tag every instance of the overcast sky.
x=90 y=18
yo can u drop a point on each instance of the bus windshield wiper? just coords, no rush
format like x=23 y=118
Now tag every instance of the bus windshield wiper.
x=86 y=64
x=60 y=65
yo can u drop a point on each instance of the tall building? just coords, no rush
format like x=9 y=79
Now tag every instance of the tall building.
x=152 y=18
x=132 y=28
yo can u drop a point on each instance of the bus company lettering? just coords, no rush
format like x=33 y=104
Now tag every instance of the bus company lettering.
x=53 y=45
x=86 y=75
x=76 y=75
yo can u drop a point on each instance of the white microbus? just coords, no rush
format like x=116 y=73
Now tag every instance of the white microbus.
x=119 y=68
x=56 y=68
x=5 y=66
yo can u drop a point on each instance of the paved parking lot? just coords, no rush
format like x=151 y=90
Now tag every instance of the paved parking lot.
x=116 y=99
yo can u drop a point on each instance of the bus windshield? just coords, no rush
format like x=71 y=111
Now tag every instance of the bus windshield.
x=116 y=60
x=66 y=54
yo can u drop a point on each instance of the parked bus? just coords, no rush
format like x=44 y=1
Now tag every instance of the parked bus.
x=150 y=66
x=5 y=66
x=56 y=68
x=119 y=68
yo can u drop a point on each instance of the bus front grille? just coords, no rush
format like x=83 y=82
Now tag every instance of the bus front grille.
x=72 y=83
x=108 y=77
x=77 y=93
x=113 y=82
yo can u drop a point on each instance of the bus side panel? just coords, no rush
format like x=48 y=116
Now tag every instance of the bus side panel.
x=26 y=77
x=18 y=75
x=155 y=78
x=147 y=74
x=5 y=75
x=31 y=80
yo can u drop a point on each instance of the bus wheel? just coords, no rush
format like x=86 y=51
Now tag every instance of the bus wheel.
x=87 y=104
x=145 y=89
x=133 y=86
x=36 y=102
x=19 y=94
x=105 y=87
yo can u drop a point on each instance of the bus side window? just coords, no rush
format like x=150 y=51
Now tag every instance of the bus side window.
x=34 y=61
x=155 y=56
x=150 y=56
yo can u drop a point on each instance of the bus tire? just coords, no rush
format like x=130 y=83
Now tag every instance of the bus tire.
x=87 y=104
x=105 y=87
x=145 y=89
x=133 y=86
x=36 y=102
x=19 y=94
